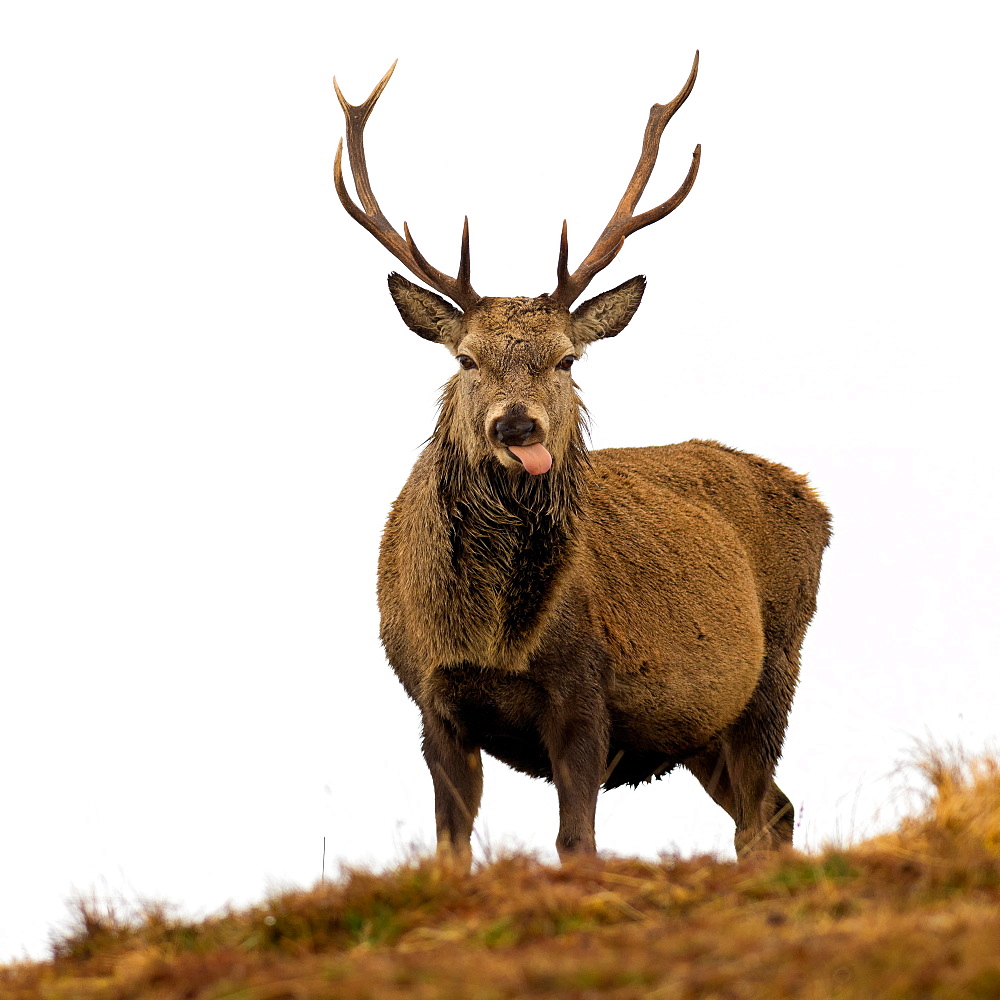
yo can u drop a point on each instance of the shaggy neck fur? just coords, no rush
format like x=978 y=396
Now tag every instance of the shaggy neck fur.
x=509 y=535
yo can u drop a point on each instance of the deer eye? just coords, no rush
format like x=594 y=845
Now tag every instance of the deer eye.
x=466 y=362
x=566 y=363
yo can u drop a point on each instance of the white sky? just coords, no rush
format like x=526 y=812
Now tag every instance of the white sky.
x=207 y=400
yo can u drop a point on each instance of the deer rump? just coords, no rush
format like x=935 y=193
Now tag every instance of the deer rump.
x=675 y=604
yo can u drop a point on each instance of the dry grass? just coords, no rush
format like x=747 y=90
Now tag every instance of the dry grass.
x=910 y=914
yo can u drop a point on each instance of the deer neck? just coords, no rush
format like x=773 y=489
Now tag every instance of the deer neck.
x=510 y=538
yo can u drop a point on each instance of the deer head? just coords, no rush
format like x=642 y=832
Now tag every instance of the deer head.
x=513 y=400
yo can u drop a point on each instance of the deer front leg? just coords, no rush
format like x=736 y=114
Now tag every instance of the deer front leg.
x=457 y=773
x=575 y=731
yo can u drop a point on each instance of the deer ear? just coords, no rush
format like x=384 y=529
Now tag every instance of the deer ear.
x=425 y=313
x=607 y=314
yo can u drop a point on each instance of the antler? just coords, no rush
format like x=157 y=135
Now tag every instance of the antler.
x=458 y=289
x=623 y=223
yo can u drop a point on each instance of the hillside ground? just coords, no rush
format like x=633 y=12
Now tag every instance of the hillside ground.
x=914 y=913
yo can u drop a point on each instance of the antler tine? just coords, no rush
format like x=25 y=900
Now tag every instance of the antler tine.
x=459 y=290
x=357 y=116
x=464 y=262
x=659 y=116
x=372 y=218
x=562 y=268
x=623 y=223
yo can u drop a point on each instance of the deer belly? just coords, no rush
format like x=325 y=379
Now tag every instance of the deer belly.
x=677 y=711
x=684 y=671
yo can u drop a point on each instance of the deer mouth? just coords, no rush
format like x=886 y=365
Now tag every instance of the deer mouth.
x=534 y=457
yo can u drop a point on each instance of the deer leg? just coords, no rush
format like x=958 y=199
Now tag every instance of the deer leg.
x=752 y=745
x=782 y=820
x=762 y=812
x=768 y=827
x=457 y=773
x=710 y=769
x=576 y=733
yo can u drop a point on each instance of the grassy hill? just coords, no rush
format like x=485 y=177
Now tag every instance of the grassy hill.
x=910 y=914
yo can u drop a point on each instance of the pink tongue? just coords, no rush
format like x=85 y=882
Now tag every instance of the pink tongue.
x=535 y=458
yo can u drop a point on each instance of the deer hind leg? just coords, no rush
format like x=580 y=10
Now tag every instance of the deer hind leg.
x=764 y=816
x=456 y=768
x=782 y=820
x=709 y=767
x=738 y=770
x=743 y=786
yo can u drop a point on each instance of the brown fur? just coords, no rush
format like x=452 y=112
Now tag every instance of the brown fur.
x=629 y=610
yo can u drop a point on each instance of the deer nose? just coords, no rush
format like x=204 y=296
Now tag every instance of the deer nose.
x=513 y=430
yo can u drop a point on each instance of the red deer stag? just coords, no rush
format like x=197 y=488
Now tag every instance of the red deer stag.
x=589 y=617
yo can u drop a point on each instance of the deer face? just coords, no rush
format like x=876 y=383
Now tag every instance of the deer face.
x=514 y=389
x=513 y=399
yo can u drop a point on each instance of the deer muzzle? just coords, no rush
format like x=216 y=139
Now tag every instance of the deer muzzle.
x=521 y=435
